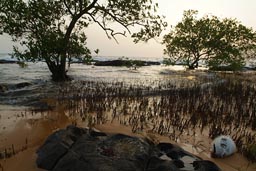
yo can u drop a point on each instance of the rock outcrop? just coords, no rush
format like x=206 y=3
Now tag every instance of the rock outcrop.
x=125 y=63
x=80 y=149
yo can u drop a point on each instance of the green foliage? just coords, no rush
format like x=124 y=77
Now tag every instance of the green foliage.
x=22 y=64
x=87 y=60
x=217 y=42
x=53 y=30
x=223 y=65
x=167 y=61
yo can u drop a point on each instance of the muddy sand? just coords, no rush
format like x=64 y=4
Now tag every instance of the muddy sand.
x=24 y=135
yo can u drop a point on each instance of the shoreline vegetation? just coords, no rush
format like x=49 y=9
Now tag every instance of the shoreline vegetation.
x=189 y=111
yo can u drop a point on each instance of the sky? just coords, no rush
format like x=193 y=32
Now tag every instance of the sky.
x=242 y=10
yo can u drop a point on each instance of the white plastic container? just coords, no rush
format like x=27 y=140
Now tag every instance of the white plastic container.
x=223 y=146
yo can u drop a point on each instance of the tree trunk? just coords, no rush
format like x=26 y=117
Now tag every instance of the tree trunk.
x=60 y=75
x=191 y=67
x=58 y=72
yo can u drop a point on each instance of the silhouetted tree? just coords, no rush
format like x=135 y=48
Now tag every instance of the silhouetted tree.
x=53 y=30
x=209 y=39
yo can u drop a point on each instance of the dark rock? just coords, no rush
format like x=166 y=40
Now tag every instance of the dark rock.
x=90 y=153
x=205 y=165
x=51 y=151
x=79 y=149
x=157 y=164
x=3 y=88
x=128 y=148
x=3 y=61
x=96 y=133
x=47 y=158
x=173 y=151
x=56 y=146
x=22 y=85
x=125 y=63
x=178 y=163
x=110 y=63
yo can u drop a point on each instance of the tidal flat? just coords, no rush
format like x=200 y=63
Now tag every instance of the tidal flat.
x=188 y=108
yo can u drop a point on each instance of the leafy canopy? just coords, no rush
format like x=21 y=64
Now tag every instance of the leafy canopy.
x=209 y=39
x=53 y=30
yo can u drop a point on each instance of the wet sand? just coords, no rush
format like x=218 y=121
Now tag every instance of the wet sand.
x=29 y=134
x=25 y=136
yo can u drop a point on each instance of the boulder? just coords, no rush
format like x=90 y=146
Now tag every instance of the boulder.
x=79 y=149
x=205 y=165
x=157 y=164
x=56 y=146
x=22 y=85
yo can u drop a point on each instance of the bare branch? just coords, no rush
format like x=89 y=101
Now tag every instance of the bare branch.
x=107 y=29
x=115 y=17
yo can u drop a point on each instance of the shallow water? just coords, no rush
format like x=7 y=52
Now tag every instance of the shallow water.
x=40 y=84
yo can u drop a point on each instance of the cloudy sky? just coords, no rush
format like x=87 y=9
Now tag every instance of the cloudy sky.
x=243 y=10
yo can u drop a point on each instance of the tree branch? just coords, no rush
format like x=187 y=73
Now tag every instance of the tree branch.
x=80 y=5
x=89 y=7
x=73 y=23
x=106 y=29
x=115 y=18
x=68 y=8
